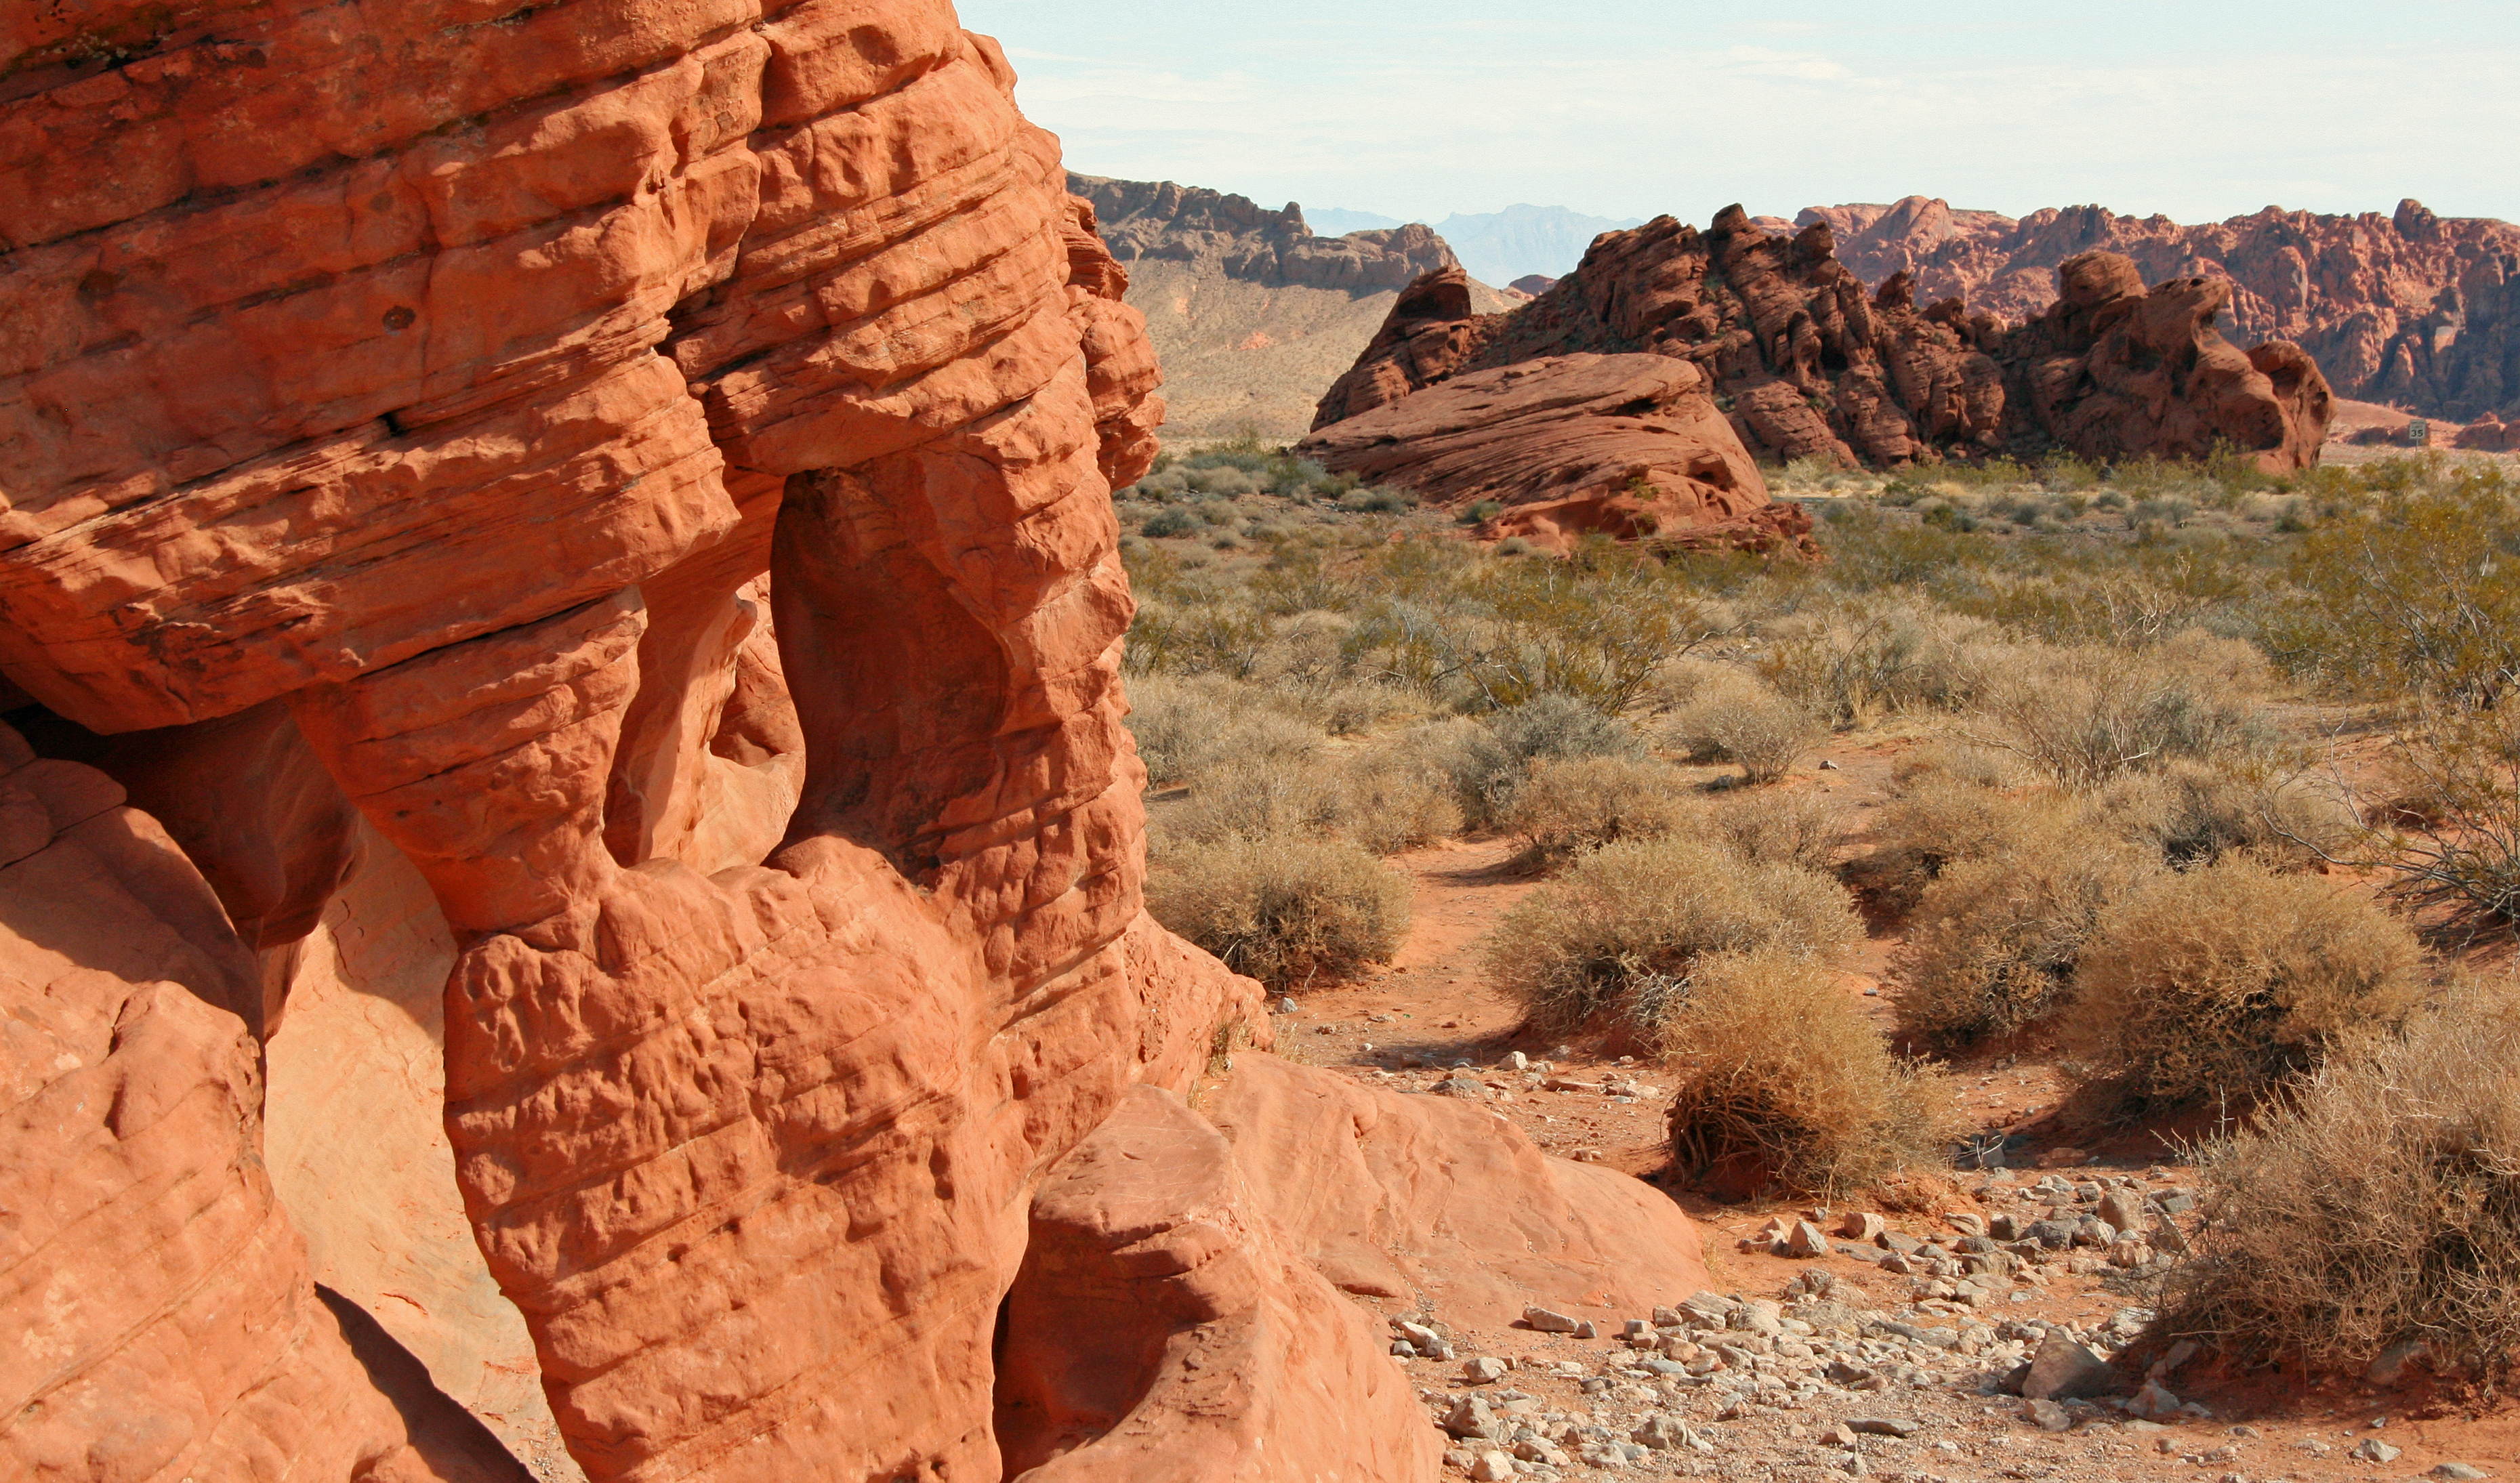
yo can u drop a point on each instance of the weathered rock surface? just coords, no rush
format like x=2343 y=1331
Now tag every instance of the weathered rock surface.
x=2409 y=307
x=402 y=417
x=1156 y=1283
x=1807 y=363
x=1440 y=1200
x=162 y=1320
x=1625 y=446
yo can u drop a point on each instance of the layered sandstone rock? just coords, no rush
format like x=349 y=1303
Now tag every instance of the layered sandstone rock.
x=163 y=1322
x=404 y=416
x=1809 y=365
x=2407 y=307
x=1627 y=446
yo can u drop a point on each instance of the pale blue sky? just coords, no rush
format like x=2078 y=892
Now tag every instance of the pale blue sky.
x=2200 y=109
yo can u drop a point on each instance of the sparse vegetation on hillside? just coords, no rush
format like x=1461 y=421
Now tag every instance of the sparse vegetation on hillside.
x=2178 y=760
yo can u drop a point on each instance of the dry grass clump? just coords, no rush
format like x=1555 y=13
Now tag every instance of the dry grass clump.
x=2191 y=814
x=1939 y=821
x=1853 y=668
x=2378 y=1206
x=1784 y=1084
x=2455 y=811
x=1995 y=940
x=1796 y=828
x=1606 y=940
x=1491 y=760
x=2218 y=982
x=1396 y=797
x=2083 y=716
x=1283 y=911
x=1567 y=807
x=1179 y=722
x=1738 y=719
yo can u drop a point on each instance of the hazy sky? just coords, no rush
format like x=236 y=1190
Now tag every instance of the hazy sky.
x=2200 y=109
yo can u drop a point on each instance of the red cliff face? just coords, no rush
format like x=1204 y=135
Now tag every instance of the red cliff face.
x=2408 y=308
x=1806 y=362
x=403 y=418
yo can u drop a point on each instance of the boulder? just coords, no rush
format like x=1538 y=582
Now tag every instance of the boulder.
x=1628 y=446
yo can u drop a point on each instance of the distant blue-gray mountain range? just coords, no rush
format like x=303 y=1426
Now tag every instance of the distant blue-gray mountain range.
x=1496 y=247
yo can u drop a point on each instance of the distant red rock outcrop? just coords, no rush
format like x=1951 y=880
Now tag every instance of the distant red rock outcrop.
x=2409 y=308
x=1807 y=363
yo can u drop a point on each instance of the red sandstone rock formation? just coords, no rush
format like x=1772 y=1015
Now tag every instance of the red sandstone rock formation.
x=2490 y=434
x=2116 y=371
x=1628 y=446
x=405 y=418
x=2409 y=307
x=1807 y=365
x=163 y=1322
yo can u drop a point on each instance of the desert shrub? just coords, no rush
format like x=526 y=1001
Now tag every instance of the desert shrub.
x=1395 y=797
x=1851 y=669
x=1287 y=912
x=1179 y=722
x=1490 y=763
x=2218 y=982
x=1604 y=940
x=2414 y=594
x=1745 y=722
x=2190 y=814
x=1258 y=794
x=1784 y=1084
x=2379 y=1205
x=2085 y=716
x=1939 y=820
x=1995 y=940
x=1775 y=828
x=1171 y=520
x=1576 y=804
x=2452 y=837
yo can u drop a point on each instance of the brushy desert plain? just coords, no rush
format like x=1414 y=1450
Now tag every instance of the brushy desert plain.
x=2072 y=921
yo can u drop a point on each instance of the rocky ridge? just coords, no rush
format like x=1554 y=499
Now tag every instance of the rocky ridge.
x=1807 y=363
x=2410 y=308
x=607 y=512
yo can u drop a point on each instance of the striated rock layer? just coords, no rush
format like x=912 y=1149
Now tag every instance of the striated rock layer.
x=2409 y=307
x=1807 y=363
x=403 y=416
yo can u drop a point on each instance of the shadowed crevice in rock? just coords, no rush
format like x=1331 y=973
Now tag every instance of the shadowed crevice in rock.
x=455 y=1444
